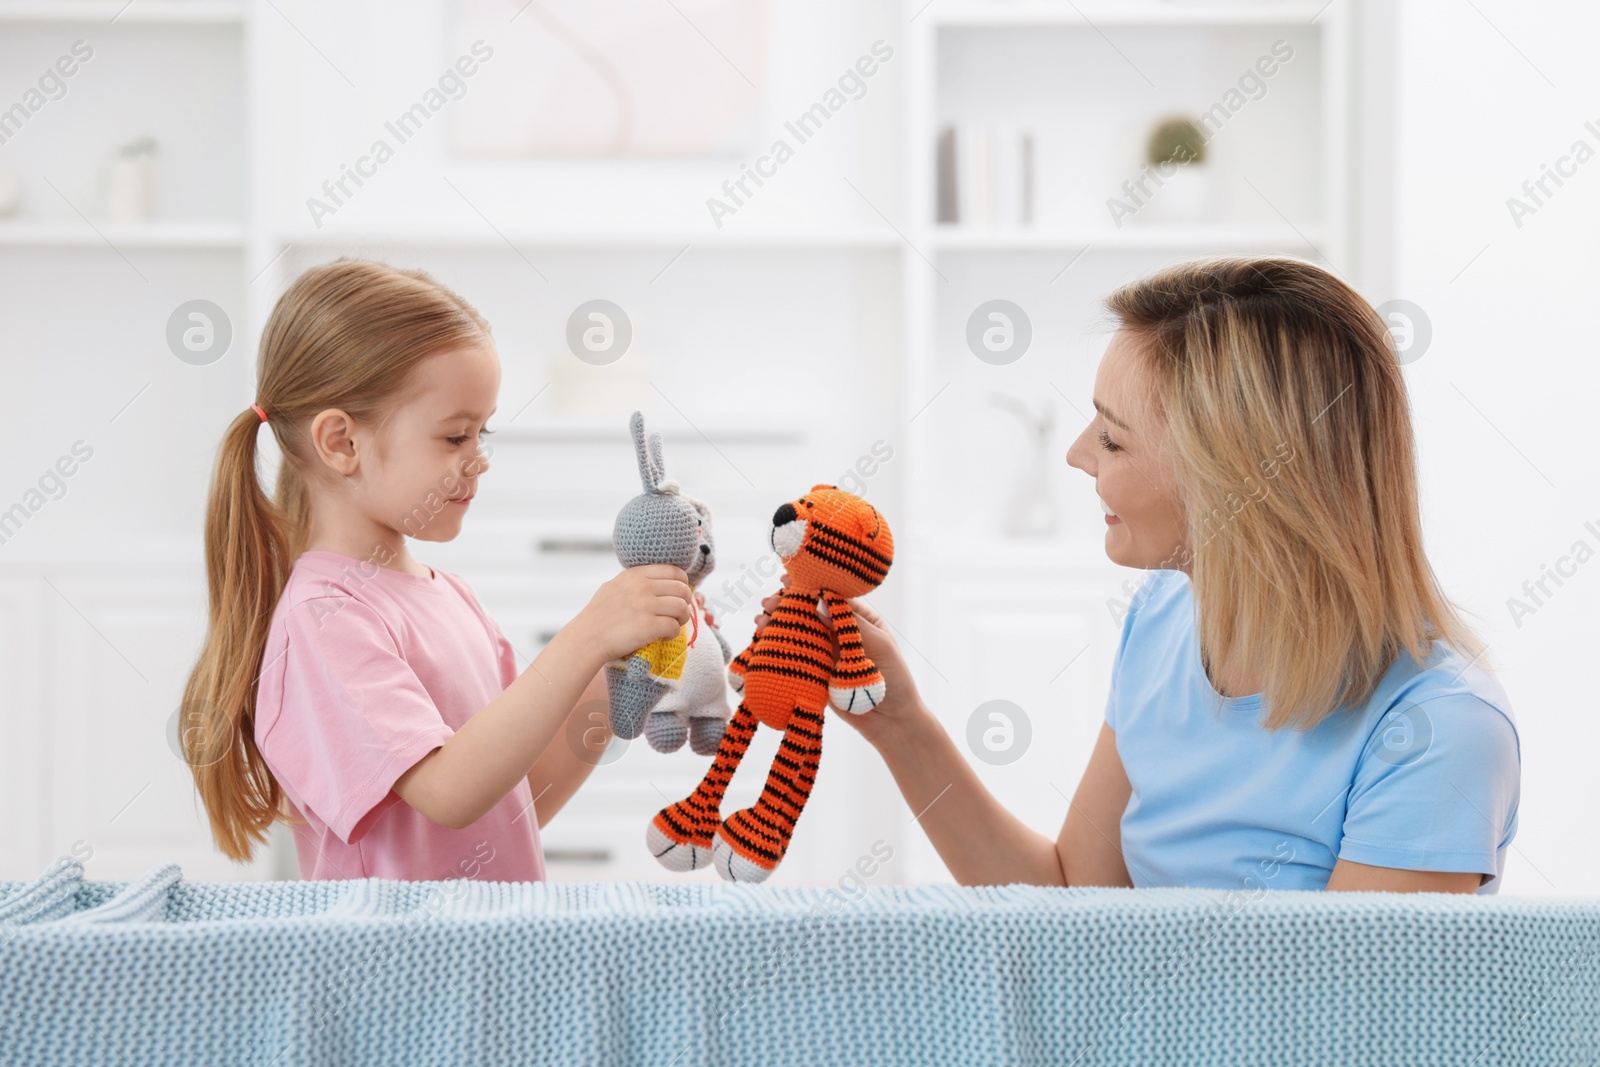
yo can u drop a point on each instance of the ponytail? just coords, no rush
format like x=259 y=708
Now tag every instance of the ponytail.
x=248 y=546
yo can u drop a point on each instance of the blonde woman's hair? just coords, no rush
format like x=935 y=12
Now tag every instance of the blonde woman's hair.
x=344 y=335
x=1288 y=428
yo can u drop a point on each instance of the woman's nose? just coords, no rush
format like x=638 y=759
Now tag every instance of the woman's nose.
x=1078 y=457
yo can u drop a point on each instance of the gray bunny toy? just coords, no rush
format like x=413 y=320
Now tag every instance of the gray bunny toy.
x=676 y=688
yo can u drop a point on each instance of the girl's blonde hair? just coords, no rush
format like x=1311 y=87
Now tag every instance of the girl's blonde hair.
x=344 y=335
x=1288 y=428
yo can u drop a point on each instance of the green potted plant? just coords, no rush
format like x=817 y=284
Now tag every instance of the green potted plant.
x=1180 y=177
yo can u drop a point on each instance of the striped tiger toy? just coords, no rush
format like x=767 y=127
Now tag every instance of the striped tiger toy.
x=834 y=546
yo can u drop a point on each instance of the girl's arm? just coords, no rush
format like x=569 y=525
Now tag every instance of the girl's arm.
x=455 y=784
x=563 y=768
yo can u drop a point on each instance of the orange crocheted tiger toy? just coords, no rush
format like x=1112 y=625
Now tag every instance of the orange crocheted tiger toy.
x=834 y=546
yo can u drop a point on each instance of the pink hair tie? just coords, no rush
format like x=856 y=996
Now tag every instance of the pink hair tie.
x=258 y=411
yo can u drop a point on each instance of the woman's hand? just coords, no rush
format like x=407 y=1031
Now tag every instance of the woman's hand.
x=901 y=703
x=640 y=605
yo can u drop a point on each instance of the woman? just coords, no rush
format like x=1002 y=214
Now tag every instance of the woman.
x=1294 y=702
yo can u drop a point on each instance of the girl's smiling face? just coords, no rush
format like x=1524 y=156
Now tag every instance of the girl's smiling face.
x=429 y=450
x=1122 y=450
x=413 y=474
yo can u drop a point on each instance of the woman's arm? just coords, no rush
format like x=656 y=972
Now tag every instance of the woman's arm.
x=979 y=840
x=984 y=844
x=1350 y=876
x=1090 y=845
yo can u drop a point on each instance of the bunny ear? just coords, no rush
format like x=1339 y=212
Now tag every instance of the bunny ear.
x=655 y=458
x=646 y=473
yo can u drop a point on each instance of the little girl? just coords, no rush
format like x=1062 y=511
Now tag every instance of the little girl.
x=344 y=687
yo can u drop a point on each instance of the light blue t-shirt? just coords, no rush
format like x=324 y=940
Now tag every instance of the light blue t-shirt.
x=1424 y=775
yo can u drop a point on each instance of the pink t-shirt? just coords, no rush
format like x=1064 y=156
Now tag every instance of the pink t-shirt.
x=368 y=669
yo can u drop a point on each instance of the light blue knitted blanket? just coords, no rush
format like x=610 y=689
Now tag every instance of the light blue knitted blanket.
x=162 y=971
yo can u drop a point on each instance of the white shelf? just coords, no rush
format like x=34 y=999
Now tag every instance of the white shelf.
x=1133 y=237
x=577 y=429
x=78 y=234
x=1132 y=14
x=123 y=11
x=86 y=550
x=477 y=236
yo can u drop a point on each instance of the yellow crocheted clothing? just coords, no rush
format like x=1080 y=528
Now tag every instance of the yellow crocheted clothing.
x=666 y=657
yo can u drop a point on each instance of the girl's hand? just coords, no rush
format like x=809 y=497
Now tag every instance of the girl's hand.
x=638 y=606
x=901 y=702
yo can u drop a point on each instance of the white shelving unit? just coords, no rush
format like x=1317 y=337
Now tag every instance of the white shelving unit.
x=826 y=320
x=1033 y=624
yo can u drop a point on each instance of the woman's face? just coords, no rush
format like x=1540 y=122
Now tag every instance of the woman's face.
x=1122 y=450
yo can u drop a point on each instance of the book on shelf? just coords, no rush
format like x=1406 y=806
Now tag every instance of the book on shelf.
x=985 y=175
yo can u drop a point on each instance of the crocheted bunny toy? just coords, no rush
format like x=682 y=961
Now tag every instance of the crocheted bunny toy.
x=697 y=709
x=834 y=546
x=674 y=688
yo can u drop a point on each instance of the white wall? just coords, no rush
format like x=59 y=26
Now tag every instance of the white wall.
x=1505 y=397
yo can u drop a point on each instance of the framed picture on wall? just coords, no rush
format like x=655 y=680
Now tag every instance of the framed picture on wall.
x=595 y=78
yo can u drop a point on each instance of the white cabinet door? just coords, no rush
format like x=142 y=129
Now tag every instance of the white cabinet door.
x=24 y=720
x=1027 y=651
x=118 y=793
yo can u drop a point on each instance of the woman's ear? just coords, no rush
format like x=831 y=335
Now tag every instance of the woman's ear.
x=333 y=438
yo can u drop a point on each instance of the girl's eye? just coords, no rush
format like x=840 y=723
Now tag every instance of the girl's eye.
x=461 y=438
x=1106 y=443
